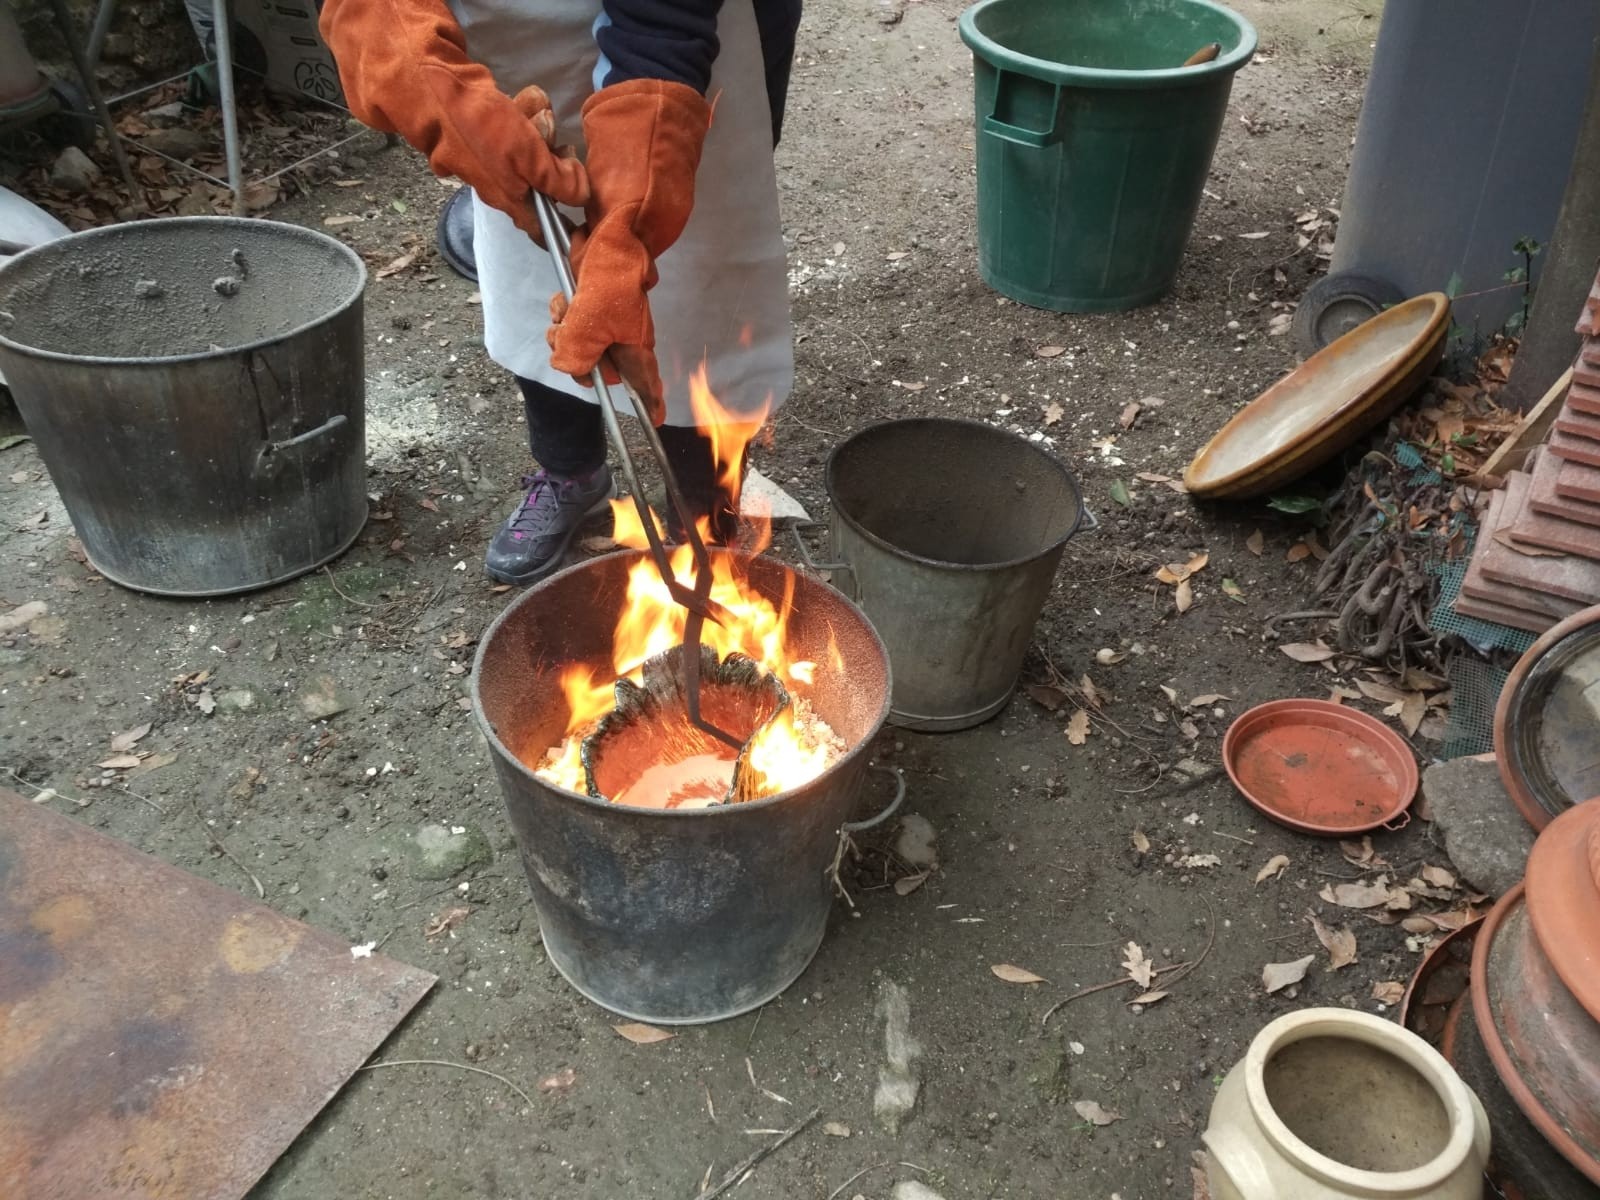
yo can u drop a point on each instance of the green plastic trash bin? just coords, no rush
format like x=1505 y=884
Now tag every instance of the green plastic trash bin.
x=1094 y=142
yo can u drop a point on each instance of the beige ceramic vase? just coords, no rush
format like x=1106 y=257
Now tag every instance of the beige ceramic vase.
x=1330 y=1104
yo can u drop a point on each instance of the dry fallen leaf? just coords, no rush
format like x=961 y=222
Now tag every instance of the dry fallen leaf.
x=1130 y=414
x=1091 y=1111
x=335 y=222
x=1139 y=968
x=124 y=742
x=1091 y=693
x=1275 y=867
x=1189 y=730
x=1298 y=552
x=1011 y=974
x=206 y=702
x=1277 y=976
x=907 y=884
x=1357 y=895
x=1257 y=235
x=1338 y=695
x=445 y=922
x=1307 y=652
x=154 y=762
x=1149 y=997
x=1340 y=943
x=397 y=265
x=643 y=1035
x=1050 y=351
x=1412 y=711
x=119 y=762
x=1376 y=690
x=1053 y=413
x=1106 y=656
x=1184 y=597
x=1078 y=727
x=1388 y=991
x=1255 y=543
x=1051 y=698
x=1141 y=844
x=1360 y=854
x=1439 y=877
x=1208 y=700
x=427 y=503
x=561 y=1081
x=836 y=1129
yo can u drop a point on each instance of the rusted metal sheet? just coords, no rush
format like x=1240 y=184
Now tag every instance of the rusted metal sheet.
x=161 y=1036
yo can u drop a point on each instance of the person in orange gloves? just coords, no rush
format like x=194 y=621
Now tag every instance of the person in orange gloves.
x=679 y=256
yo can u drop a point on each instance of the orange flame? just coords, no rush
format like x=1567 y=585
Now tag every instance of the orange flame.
x=730 y=433
x=652 y=622
x=628 y=530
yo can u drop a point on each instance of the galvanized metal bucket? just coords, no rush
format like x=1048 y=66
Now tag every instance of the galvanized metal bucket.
x=195 y=387
x=675 y=916
x=948 y=533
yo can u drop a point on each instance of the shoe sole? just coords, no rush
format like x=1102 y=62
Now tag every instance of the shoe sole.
x=560 y=556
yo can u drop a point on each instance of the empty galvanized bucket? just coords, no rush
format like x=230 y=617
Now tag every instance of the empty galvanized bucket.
x=195 y=387
x=947 y=534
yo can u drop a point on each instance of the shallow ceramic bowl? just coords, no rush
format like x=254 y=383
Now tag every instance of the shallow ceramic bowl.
x=1325 y=404
x=1547 y=721
x=1541 y=1041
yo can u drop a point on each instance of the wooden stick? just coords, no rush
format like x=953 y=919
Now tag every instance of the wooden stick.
x=750 y=1161
x=1531 y=431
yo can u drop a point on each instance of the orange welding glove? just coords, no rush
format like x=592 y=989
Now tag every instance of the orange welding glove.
x=405 y=70
x=645 y=138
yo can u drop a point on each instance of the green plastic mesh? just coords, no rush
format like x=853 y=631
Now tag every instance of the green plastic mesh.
x=1475 y=683
x=1482 y=635
x=1475 y=690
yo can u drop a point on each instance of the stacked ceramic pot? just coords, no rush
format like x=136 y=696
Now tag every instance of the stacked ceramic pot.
x=1535 y=990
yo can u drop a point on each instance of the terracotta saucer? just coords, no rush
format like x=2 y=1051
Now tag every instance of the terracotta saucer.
x=1320 y=767
x=1544 y=1046
x=1329 y=401
x=1547 y=721
x=1564 y=900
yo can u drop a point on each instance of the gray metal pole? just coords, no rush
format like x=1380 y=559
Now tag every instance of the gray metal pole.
x=90 y=86
x=222 y=31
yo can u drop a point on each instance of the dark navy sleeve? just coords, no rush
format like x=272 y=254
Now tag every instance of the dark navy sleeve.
x=674 y=40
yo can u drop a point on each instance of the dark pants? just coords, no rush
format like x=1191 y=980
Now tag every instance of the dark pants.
x=568 y=438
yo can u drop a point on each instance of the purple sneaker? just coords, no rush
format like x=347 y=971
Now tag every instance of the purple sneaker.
x=534 y=538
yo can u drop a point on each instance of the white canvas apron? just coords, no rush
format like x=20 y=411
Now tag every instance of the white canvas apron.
x=723 y=295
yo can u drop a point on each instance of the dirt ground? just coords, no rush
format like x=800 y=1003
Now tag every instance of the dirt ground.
x=1036 y=836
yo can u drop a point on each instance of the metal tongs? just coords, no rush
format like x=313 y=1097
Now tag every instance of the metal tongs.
x=696 y=600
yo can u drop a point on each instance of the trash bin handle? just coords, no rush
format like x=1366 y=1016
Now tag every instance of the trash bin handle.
x=892 y=807
x=328 y=426
x=1037 y=138
x=805 y=556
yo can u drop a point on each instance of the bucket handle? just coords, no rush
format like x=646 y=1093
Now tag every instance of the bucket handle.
x=1087 y=521
x=328 y=426
x=813 y=564
x=1004 y=130
x=892 y=807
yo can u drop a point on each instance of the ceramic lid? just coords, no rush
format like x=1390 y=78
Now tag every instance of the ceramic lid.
x=1564 y=900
